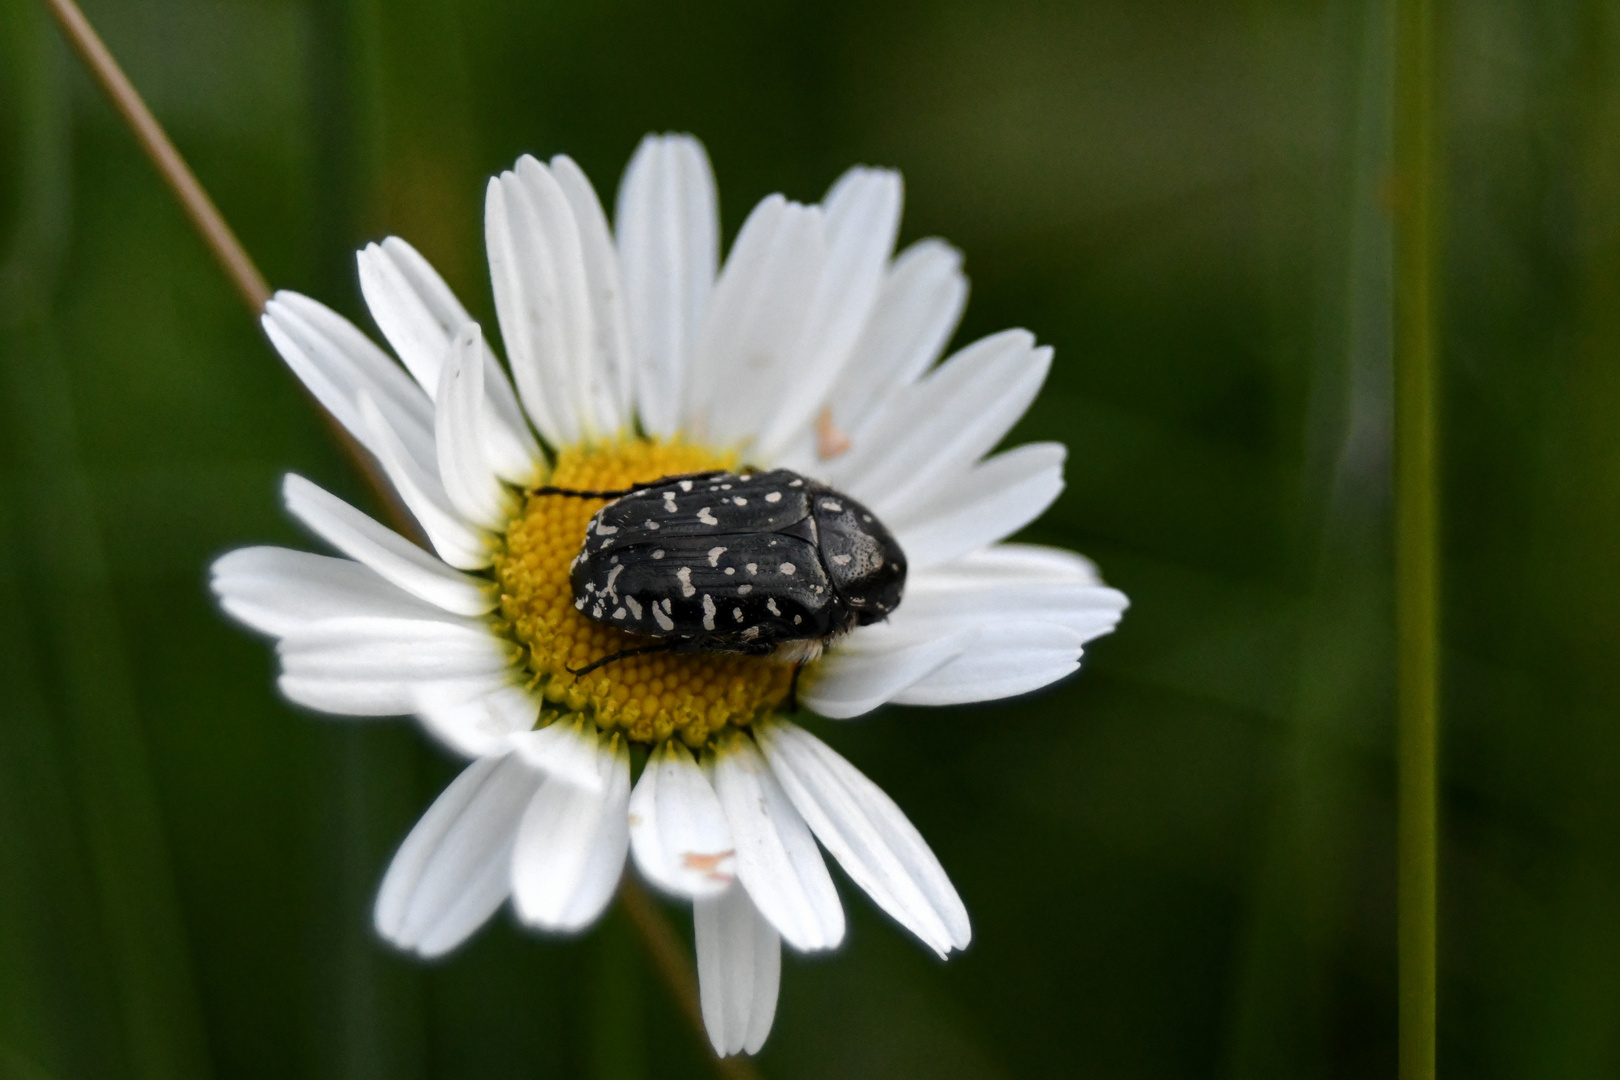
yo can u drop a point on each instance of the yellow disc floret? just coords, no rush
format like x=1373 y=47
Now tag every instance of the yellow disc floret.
x=650 y=698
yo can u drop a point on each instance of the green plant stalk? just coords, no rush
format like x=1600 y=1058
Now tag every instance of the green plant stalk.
x=1416 y=527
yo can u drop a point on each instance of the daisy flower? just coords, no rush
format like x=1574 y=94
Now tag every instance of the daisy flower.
x=635 y=355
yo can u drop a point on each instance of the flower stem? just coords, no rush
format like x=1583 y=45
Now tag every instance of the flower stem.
x=657 y=936
x=1416 y=528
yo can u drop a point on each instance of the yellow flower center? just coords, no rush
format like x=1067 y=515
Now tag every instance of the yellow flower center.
x=649 y=698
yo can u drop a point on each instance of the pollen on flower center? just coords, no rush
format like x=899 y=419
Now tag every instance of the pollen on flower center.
x=648 y=698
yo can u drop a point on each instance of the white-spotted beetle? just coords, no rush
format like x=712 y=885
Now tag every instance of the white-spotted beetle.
x=765 y=563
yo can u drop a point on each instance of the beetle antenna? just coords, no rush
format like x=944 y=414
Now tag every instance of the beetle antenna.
x=578 y=493
x=622 y=654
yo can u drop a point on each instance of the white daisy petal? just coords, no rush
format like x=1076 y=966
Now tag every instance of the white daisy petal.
x=476 y=717
x=605 y=866
x=868 y=669
x=454 y=869
x=955 y=599
x=1005 y=564
x=465 y=468
x=538 y=270
x=412 y=311
x=368 y=648
x=565 y=750
x=326 y=381
x=339 y=365
x=988 y=502
x=739 y=962
x=869 y=836
x=509 y=237
x=571 y=845
x=1008 y=660
x=559 y=235
x=917 y=310
x=861 y=217
x=1016 y=617
x=667 y=224
x=754 y=323
x=343 y=696
x=458 y=542
x=777 y=860
x=473 y=715
x=513 y=451
x=384 y=551
x=610 y=371
x=678 y=833
x=419 y=316
x=277 y=590
x=931 y=431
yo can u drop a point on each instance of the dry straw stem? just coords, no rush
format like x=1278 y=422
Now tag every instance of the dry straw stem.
x=664 y=947
x=205 y=217
x=155 y=141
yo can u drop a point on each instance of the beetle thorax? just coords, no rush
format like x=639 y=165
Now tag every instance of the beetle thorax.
x=649 y=698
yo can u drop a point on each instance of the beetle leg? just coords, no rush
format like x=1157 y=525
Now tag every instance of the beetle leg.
x=622 y=654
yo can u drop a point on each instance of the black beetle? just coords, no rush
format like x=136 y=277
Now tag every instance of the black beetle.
x=765 y=563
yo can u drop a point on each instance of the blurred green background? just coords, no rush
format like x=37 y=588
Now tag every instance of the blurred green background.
x=1180 y=863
